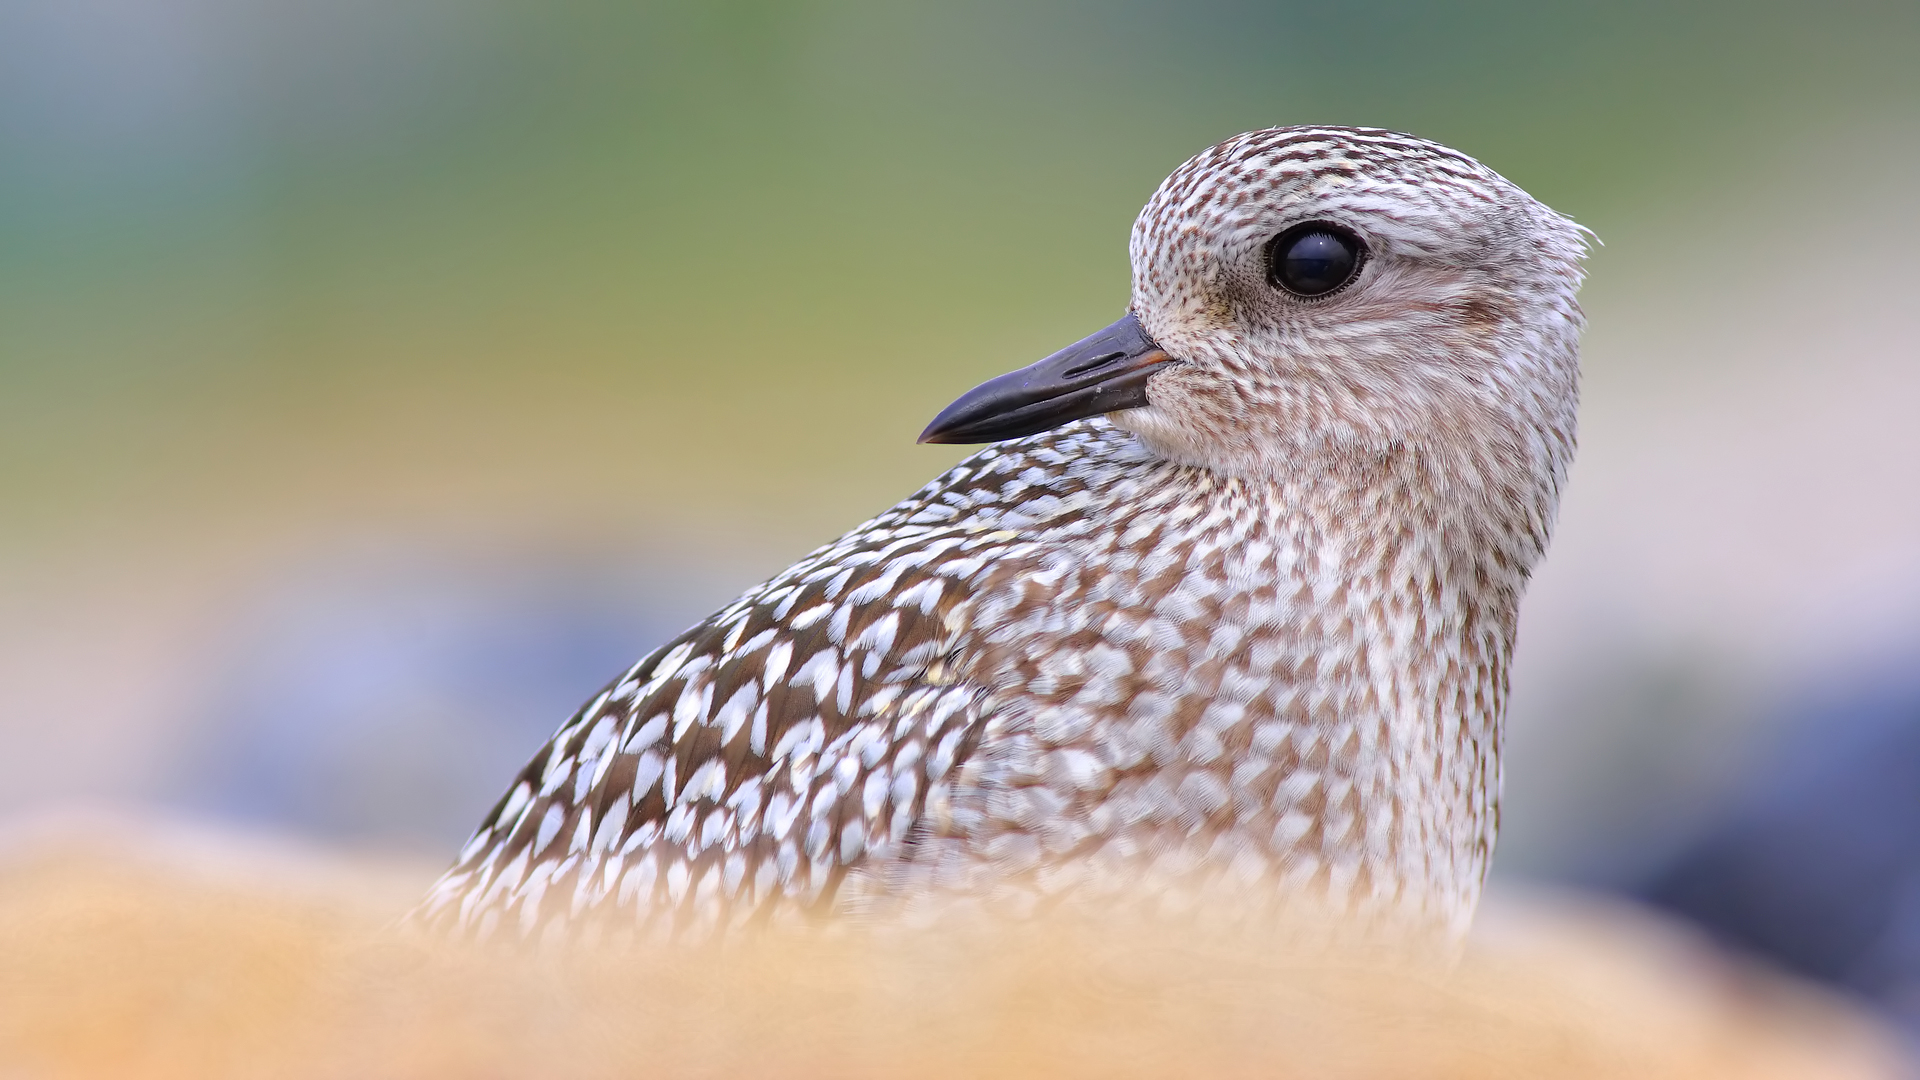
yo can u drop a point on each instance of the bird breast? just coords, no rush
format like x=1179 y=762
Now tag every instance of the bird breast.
x=1196 y=674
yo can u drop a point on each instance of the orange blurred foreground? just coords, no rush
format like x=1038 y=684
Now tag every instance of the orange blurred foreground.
x=143 y=952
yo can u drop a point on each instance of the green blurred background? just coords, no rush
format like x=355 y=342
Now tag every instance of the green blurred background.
x=379 y=376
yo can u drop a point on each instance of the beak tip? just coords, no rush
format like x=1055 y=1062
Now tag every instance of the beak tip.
x=942 y=429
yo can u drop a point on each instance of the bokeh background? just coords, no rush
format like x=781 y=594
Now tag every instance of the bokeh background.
x=377 y=377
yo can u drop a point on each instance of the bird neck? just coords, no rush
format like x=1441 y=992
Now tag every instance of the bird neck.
x=1388 y=647
x=1315 y=661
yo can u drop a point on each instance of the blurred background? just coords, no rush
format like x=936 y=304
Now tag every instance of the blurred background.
x=378 y=377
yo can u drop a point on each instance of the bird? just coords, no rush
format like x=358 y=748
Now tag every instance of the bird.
x=1229 y=597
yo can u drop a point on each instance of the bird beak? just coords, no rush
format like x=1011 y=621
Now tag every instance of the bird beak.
x=1099 y=374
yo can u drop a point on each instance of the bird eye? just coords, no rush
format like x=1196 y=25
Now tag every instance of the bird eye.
x=1314 y=259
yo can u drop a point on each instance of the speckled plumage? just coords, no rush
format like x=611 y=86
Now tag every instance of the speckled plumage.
x=1256 y=632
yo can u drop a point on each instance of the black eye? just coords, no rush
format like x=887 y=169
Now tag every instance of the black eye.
x=1314 y=259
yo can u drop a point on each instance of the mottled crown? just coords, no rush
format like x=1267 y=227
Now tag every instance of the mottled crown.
x=1455 y=347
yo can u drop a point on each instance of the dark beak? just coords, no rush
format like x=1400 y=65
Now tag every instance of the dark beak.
x=1100 y=374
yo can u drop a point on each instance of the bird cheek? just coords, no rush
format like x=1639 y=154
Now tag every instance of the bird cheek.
x=1175 y=389
x=1195 y=399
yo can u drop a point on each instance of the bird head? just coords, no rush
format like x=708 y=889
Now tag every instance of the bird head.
x=1311 y=297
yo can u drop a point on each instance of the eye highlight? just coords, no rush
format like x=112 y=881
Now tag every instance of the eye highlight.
x=1314 y=259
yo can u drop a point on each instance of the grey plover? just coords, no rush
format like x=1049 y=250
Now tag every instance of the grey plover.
x=1231 y=598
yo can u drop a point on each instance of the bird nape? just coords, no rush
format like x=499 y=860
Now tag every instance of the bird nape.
x=1231 y=607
